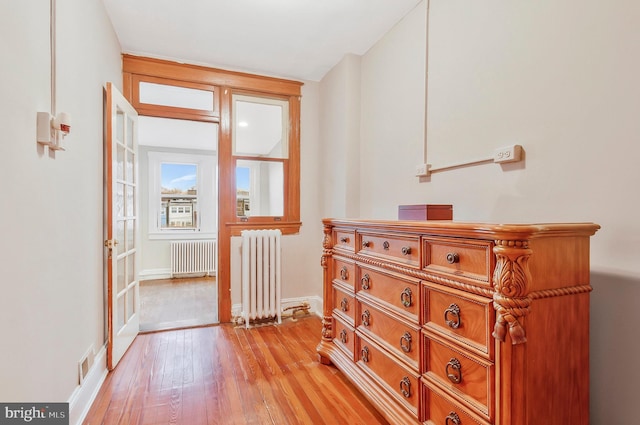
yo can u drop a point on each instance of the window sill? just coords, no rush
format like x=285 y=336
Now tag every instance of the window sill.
x=286 y=227
x=182 y=235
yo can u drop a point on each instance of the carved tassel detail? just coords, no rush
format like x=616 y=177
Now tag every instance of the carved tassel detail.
x=511 y=281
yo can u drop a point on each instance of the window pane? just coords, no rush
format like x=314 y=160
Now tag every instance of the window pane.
x=120 y=154
x=121 y=320
x=120 y=280
x=260 y=127
x=179 y=195
x=130 y=131
x=179 y=97
x=131 y=268
x=130 y=304
x=119 y=126
x=131 y=232
x=119 y=201
x=130 y=174
x=259 y=188
x=120 y=237
x=130 y=211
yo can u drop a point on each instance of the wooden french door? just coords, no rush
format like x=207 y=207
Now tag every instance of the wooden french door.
x=122 y=224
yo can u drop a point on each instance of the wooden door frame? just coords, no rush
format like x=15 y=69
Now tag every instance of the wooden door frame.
x=225 y=81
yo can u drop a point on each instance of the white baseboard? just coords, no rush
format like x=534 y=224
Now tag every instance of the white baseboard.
x=154 y=274
x=315 y=305
x=151 y=274
x=83 y=396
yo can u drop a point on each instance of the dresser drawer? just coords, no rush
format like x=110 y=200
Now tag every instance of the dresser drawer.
x=399 y=249
x=464 y=318
x=468 y=377
x=344 y=239
x=442 y=410
x=398 y=380
x=470 y=259
x=344 y=336
x=396 y=291
x=344 y=304
x=396 y=334
x=344 y=271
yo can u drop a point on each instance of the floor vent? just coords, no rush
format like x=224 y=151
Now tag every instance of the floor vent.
x=85 y=363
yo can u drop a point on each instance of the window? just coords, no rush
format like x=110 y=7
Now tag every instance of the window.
x=178 y=196
x=259 y=134
x=161 y=97
x=182 y=197
x=261 y=153
x=260 y=188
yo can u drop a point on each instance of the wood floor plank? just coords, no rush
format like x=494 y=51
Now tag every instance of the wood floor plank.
x=228 y=375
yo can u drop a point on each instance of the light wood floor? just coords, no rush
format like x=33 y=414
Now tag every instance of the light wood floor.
x=228 y=375
x=178 y=303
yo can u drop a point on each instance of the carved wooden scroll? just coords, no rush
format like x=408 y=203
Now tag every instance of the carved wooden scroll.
x=325 y=262
x=511 y=280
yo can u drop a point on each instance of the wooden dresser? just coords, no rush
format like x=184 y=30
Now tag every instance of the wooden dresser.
x=451 y=323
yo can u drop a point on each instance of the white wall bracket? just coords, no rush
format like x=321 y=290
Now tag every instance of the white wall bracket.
x=511 y=153
x=50 y=131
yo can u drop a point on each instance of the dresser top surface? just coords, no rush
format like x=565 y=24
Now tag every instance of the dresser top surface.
x=475 y=229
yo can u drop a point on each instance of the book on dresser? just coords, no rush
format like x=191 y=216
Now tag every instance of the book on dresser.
x=451 y=323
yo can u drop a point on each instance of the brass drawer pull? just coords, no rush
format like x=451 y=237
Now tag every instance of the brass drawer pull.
x=452 y=419
x=344 y=239
x=364 y=353
x=365 y=281
x=344 y=273
x=366 y=244
x=385 y=245
x=405 y=342
x=343 y=336
x=366 y=318
x=344 y=304
x=454 y=371
x=406 y=250
x=405 y=387
x=454 y=312
x=406 y=297
x=453 y=257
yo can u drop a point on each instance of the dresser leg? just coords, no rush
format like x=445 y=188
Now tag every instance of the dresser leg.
x=324 y=360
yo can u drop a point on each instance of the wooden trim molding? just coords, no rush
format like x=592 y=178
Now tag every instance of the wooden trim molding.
x=224 y=83
x=203 y=75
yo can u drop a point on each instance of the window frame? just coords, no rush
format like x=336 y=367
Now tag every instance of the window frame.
x=165 y=111
x=206 y=226
x=141 y=69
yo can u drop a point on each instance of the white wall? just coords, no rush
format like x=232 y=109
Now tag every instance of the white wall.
x=51 y=307
x=559 y=78
x=340 y=135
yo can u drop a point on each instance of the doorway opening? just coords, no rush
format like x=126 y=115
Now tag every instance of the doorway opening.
x=178 y=303
x=179 y=206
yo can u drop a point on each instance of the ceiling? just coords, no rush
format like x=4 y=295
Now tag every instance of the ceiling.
x=297 y=39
